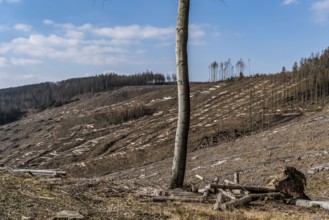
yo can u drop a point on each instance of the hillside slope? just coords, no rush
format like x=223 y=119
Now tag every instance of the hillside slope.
x=95 y=136
x=124 y=139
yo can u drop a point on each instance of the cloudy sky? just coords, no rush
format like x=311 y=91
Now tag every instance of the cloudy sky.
x=52 y=40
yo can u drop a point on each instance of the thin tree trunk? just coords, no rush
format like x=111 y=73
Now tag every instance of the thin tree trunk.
x=183 y=122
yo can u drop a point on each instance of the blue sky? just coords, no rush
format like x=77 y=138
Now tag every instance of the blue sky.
x=52 y=40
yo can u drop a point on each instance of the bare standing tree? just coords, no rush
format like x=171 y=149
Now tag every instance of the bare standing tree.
x=241 y=65
x=213 y=68
x=183 y=121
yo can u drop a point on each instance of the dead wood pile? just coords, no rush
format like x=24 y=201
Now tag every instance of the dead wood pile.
x=288 y=187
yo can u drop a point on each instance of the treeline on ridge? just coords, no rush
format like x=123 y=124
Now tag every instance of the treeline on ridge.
x=15 y=102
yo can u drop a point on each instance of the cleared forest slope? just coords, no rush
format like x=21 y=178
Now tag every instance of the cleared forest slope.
x=124 y=139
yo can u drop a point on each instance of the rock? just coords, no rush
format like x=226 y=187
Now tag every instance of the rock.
x=68 y=215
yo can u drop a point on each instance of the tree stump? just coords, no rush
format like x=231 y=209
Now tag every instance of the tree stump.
x=291 y=182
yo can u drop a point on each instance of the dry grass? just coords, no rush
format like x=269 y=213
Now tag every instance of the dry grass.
x=41 y=198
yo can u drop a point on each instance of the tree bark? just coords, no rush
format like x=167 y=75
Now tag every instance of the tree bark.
x=183 y=122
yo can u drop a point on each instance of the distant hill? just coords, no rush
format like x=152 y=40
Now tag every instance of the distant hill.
x=15 y=102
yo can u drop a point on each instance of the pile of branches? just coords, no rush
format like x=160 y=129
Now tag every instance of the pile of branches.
x=288 y=187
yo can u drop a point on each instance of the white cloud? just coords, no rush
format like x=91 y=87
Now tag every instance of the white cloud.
x=24 y=62
x=132 y=32
x=91 y=44
x=3 y=61
x=62 y=48
x=74 y=34
x=196 y=34
x=320 y=11
x=48 y=22
x=119 y=35
x=196 y=31
x=23 y=27
x=18 y=61
x=288 y=2
x=25 y=77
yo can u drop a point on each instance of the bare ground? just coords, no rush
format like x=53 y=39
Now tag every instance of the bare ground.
x=108 y=165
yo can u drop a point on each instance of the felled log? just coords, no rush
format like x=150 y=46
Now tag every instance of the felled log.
x=186 y=194
x=308 y=203
x=235 y=203
x=49 y=173
x=245 y=200
x=252 y=189
x=219 y=200
x=229 y=182
x=68 y=215
x=177 y=199
x=228 y=194
x=240 y=192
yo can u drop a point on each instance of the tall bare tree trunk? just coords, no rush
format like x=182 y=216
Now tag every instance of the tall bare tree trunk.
x=183 y=122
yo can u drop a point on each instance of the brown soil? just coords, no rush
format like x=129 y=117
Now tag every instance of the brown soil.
x=103 y=159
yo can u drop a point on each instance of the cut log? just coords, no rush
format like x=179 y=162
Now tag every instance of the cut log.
x=252 y=189
x=240 y=192
x=247 y=199
x=308 y=203
x=228 y=194
x=68 y=215
x=49 y=173
x=236 y=178
x=203 y=179
x=236 y=203
x=194 y=188
x=206 y=193
x=186 y=194
x=177 y=199
x=219 y=201
x=229 y=182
